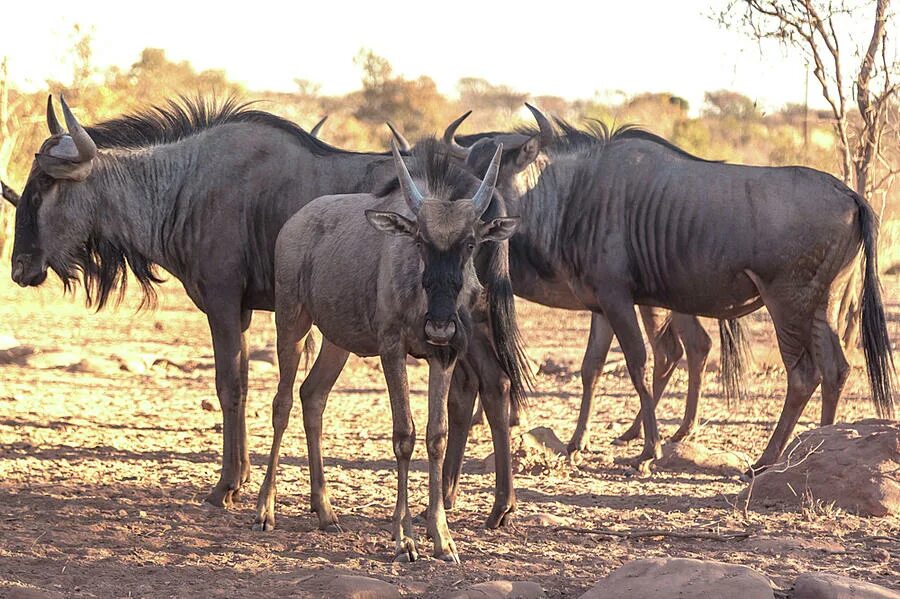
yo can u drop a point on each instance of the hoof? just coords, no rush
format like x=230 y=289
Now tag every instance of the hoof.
x=333 y=527
x=449 y=557
x=263 y=526
x=499 y=516
x=406 y=551
x=682 y=435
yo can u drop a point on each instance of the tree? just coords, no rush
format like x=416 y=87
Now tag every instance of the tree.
x=811 y=27
x=725 y=103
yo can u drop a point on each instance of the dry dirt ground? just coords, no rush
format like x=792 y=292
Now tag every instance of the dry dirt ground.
x=106 y=451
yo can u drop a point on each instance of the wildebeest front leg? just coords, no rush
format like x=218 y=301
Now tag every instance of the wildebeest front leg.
x=594 y=358
x=225 y=322
x=314 y=395
x=439 y=376
x=620 y=313
x=666 y=350
x=243 y=445
x=463 y=389
x=292 y=326
x=404 y=438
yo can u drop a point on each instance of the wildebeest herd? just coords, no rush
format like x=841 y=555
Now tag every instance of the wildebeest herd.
x=421 y=254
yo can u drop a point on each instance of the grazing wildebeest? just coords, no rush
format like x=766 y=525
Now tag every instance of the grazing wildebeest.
x=671 y=334
x=627 y=218
x=416 y=269
x=198 y=190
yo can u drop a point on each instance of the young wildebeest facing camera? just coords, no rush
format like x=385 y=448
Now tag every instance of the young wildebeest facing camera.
x=392 y=274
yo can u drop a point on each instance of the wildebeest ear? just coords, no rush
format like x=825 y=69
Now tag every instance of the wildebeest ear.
x=11 y=196
x=391 y=223
x=498 y=229
x=528 y=152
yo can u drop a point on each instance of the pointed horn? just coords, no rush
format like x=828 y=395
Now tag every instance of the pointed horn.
x=11 y=196
x=546 y=128
x=457 y=150
x=52 y=122
x=86 y=147
x=485 y=192
x=318 y=126
x=412 y=194
x=402 y=143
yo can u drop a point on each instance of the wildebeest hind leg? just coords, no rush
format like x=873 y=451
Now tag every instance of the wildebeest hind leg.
x=594 y=358
x=620 y=312
x=829 y=357
x=313 y=396
x=292 y=326
x=793 y=328
x=696 y=347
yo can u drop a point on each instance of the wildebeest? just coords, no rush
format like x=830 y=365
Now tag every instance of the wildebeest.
x=198 y=190
x=412 y=270
x=671 y=334
x=614 y=219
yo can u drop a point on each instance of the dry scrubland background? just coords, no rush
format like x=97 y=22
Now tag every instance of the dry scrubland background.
x=110 y=438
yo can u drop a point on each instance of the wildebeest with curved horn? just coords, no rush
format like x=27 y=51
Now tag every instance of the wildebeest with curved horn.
x=627 y=218
x=671 y=334
x=393 y=274
x=198 y=190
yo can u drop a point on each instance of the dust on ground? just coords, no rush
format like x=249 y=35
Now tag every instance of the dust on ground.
x=105 y=459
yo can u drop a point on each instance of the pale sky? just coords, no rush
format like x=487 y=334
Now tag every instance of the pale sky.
x=560 y=47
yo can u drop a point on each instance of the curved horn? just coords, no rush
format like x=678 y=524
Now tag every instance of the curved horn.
x=546 y=128
x=83 y=142
x=402 y=143
x=52 y=121
x=318 y=126
x=412 y=194
x=455 y=149
x=485 y=192
x=9 y=194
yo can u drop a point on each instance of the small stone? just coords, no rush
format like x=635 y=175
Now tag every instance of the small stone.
x=880 y=555
x=207 y=405
x=499 y=589
x=542 y=438
x=832 y=586
x=687 y=456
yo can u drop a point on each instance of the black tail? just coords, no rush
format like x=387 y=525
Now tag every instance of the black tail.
x=875 y=340
x=504 y=328
x=734 y=350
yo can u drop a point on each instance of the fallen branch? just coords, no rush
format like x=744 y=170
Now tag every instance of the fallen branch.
x=637 y=533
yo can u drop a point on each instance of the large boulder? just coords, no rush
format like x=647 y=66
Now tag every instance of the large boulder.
x=852 y=465
x=832 y=586
x=681 y=577
x=500 y=589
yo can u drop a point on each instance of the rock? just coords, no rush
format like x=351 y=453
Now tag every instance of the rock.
x=789 y=545
x=17 y=354
x=852 y=465
x=349 y=586
x=488 y=464
x=544 y=439
x=681 y=577
x=542 y=519
x=687 y=456
x=207 y=405
x=500 y=589
x=832 y=586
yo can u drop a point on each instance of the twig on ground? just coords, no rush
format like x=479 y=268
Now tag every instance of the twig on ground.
x=637 y=533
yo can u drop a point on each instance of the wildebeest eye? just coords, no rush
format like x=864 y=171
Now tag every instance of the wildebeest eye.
x=470 y=246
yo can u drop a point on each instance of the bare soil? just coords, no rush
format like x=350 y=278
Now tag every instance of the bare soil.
x=109 y=440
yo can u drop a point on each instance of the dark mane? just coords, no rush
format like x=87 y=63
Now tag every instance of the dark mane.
x=185 y=117
x=446 y=179
x=597 y=135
